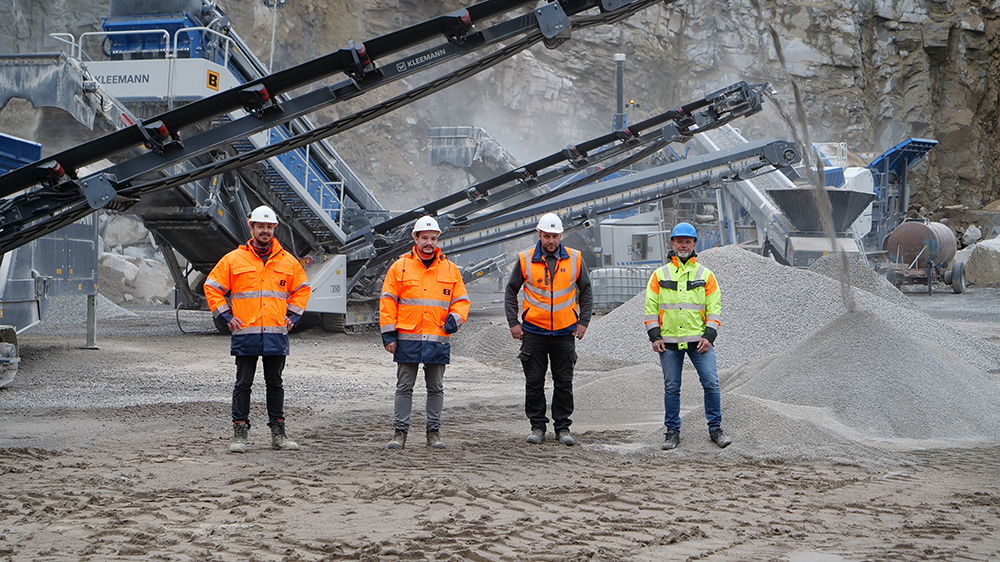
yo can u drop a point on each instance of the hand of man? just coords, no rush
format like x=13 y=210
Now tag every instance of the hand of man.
x=659 y=346
x=704 y=345
x=391 y=347
x=579 y=331
x=234 y=324
x=517 y=331
x=289 y=324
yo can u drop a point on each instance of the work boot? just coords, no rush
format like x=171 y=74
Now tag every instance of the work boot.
x=537 y=436
x=565 y=438
x=279 y=440
x=720 y=438
x=398 y=439
x=671 y=439
x=434 y=439
x=240 y=431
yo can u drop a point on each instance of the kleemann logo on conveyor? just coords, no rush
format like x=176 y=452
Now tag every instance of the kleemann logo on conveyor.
x=124 y=79
x=401 y=66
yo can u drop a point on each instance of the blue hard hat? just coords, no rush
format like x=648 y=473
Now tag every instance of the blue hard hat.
x=684 y=229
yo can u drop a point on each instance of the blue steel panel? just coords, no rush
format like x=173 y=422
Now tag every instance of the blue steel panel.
x=153 y=43
x=15 y=152
x=909 y=151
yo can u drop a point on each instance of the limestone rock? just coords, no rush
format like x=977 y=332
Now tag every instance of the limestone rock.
x=153 y=282
x=983 y=267
x=116 y=262
x=125 y=231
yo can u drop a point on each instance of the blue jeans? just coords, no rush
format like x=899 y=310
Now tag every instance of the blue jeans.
x=672 y=360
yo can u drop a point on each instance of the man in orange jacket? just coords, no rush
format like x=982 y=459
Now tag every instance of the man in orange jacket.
x=269 y=291
x=423 y=302
x=558 y=302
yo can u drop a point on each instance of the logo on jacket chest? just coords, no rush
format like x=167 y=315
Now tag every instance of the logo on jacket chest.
x=282 y=282
x=447 y=291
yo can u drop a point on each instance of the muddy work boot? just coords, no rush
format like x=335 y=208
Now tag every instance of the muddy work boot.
x=278 y=438
x=537 y=436
x=398 y=440
x=565 y=438
x=240 y=432
x=720 y=438
x=434 y=439
x=670 y=440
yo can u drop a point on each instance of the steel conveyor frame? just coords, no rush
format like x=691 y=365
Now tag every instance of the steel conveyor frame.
x=56 y=206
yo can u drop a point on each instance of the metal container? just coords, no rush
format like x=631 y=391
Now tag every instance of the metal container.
x=799 y=205
x=912 y=243
x=614 y=286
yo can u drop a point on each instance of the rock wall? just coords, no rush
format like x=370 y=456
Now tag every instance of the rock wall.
x=870 y=73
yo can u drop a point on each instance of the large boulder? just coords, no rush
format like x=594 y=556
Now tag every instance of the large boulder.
x=121 y=265
x=123 y=230
x=983 y=267
x=153 y=282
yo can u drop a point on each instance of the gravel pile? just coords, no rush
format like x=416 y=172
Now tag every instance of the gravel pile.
x=768 y=308
x=73 y=309
x=489 y=343
x=806 y=379
x=862 y=276
x=898 y=388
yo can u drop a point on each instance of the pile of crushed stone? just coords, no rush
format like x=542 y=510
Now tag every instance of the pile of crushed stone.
x=804 y=379
x=877 y=382
x=72 y=309
x=862 y=276
x=768 y=309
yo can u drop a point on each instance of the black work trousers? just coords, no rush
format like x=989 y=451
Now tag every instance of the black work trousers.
x=246 y=366
x=536 y=353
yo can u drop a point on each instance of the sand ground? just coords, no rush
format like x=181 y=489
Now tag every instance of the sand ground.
x=122 y=454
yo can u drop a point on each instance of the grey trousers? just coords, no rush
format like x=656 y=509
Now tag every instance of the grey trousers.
x=406 y=377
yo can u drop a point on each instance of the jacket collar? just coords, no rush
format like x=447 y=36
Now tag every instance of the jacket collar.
x=693 y=260
x=437 y=255
x=561 y=253
x=275 y=248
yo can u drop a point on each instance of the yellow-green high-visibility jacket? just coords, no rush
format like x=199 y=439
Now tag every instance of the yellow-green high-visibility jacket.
x=682 y=299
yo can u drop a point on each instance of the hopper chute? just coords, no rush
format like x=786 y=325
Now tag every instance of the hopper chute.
x=801 y=209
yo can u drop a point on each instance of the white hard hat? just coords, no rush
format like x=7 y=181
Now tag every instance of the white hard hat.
x=426 y=223
x=263 y=214
x=551 y=223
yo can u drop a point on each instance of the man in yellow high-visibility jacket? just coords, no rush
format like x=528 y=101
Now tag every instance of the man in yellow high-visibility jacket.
x=683 y=317
x=269 y=291
x=558 y=301
x=423 y=302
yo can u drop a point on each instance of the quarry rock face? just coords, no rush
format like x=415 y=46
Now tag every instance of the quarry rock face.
x=870 y=74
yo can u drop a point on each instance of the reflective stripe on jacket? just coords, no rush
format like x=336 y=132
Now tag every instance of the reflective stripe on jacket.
x=417 y=303
x=550 y=300
x=682 y=298
x=262 y=292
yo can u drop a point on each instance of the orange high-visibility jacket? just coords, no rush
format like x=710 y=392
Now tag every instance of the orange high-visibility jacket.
x=421 y=306
x=262 y=293
x=550 y=300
